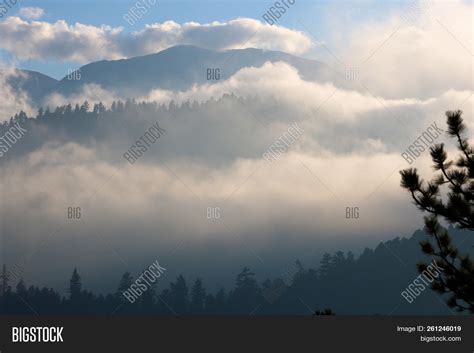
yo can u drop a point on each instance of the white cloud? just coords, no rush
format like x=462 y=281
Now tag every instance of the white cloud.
x=362 y=123
x=271 y=81
x=89 y=92
x=31 y=13
x=284 y=195
x=396 y=59
x=352 y=143
x=85 y=43
x=13 y=100
x=145 y=210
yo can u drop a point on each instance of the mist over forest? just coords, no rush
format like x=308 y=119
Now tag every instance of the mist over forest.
x=218 y=146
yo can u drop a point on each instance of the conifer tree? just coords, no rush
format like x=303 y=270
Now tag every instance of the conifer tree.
x=457 y=208
x=198 y=296
x=75 y=286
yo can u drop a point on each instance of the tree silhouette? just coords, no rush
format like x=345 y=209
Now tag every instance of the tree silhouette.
x=85 y=107
x=245 y=296
x=371 y=280
x=198 y=297
x=75 y=285
x=326 y=266
x=179 y=295
x=125 y=282
x=216 y=304
x=75 y=292
x=21 y=288
x=457 y=208
x=122 y=303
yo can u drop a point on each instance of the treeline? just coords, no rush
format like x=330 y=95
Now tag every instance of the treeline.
x=369 y=284
x=130 y=107
x=113 y=127
x=83 y=118
x=245 y=298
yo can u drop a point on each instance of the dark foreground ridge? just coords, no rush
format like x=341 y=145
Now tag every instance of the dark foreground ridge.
x=370 y=284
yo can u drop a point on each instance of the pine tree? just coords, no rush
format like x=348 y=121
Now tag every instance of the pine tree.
x=75 y=286
x=40 y=113
x=85 y=107
x=326 y=266
x=198 y=296
x=21 y=289
x=102 y=108
x=457 y=208
x=125 y=282
x=179 y=295
x=244 y=298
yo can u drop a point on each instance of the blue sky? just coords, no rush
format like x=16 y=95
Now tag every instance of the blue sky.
x=319 y=17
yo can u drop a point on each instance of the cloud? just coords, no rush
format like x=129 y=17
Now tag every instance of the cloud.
x=31 y=13
x=146 y=209
x=361 y=121
x=14 y=100
x=421 y=59
x=348 y=156
x=86 y=43
x=89 y=92
x=270 y=81
x=57 y=175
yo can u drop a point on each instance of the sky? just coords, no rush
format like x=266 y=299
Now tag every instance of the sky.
x=315 y=17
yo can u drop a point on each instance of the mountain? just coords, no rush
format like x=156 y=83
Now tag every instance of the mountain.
x=181 y=67
x=33 y=83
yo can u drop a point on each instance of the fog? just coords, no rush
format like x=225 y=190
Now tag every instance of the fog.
x=202 y=199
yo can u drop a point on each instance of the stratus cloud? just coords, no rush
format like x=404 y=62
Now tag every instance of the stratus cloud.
x=31 y=13
x=85 y=43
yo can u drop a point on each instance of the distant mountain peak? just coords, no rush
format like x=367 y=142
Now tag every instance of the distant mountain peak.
x=33 y=83
x=179 y=68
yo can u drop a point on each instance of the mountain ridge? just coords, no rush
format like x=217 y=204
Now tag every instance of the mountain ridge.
x=177 y=68
x=33 y=83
